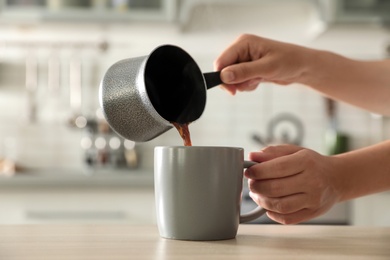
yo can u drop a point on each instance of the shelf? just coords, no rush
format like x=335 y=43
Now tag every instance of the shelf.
x=165 y=11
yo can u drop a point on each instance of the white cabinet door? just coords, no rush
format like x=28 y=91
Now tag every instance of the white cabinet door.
x=66 y=205
x=372 y=210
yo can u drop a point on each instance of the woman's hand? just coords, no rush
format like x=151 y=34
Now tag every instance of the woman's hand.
x=294 y=184
x=252 y=59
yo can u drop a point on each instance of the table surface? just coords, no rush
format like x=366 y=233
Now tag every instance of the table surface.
x=143 y=242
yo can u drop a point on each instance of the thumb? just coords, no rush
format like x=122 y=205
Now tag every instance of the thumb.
x=272 y=152
x=242 y=72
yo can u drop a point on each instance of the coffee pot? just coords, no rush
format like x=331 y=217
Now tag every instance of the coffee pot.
x=141 y=96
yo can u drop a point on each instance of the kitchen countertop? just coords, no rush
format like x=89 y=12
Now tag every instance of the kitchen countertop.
x=143 y=242
x=78 y=178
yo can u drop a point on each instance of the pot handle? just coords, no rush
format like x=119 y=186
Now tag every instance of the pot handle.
x=212 y=79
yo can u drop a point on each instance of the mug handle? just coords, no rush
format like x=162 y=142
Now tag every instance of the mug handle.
x=257 y=212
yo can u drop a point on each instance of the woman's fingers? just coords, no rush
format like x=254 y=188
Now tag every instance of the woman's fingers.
x=279 y=167
x=283 y=205
x=274 y=151
x=280 y=187
x=291 y=209
x=293 y=218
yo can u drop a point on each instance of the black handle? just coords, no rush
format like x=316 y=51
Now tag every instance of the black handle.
x=212 y=79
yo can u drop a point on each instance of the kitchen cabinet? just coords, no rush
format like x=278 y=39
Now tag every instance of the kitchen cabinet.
x=372 y=210
x=89 y=205
x=87 y=10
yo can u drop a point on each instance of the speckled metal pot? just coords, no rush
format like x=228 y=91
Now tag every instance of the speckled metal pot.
x=141 y=96
x=125 y=102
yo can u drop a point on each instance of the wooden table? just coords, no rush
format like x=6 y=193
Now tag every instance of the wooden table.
x=111 y=242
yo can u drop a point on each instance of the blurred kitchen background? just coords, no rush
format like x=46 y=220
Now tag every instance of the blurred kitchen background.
x=59 y=160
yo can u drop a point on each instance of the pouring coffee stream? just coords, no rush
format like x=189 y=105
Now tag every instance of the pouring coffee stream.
x=212 y=79
x=184 y=132
x=141 y=97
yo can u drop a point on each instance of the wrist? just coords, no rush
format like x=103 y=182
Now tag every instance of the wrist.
x=339 y=175
x=314 y=62
x=362 y=172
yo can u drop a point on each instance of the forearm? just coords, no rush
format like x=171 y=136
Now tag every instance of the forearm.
x=363 y=172
x=365 y=84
